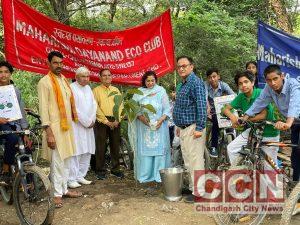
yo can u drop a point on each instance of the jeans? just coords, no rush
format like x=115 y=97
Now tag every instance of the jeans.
x=214 y=131
x=10 y=142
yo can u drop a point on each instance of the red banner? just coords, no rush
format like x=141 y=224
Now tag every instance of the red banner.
x=30 y=36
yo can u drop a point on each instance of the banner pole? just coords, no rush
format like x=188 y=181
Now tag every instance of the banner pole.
x=175 y=80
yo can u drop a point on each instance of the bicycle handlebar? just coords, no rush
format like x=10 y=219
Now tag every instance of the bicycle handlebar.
x=33 y=114
x=5 y=132
x=260 y=123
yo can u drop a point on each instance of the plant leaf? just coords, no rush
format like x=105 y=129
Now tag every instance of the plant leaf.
x=131 y=116
x=134 y=91
x=113 y=93
x=149 y=107
x=146 y=115
x=118 y=101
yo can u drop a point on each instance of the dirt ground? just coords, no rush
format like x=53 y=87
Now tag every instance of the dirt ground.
x=118 y=202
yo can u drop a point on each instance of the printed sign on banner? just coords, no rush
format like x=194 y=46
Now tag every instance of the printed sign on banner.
x=277 y=47
x=219 y=103
x=29 y=37
x=9 y=105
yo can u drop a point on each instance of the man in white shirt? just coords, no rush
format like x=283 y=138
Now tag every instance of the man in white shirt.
x=86 y=107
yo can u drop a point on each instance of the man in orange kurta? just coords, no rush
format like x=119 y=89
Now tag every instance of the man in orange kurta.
x=57 y=110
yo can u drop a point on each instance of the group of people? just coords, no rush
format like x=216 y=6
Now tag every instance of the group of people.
x=194 y=96
x=77 y=121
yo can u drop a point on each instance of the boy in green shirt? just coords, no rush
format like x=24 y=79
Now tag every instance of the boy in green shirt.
x=248 y=94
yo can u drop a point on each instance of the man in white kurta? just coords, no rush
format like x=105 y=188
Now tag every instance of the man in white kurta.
x=57 y=110
x=84 y=138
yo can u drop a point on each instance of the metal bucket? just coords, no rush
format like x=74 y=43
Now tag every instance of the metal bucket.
x=172 y=183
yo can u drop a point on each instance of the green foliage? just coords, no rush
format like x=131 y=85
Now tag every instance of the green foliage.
x=215 y=39
x=27 y=83
x=253 y=9
x=129 y=107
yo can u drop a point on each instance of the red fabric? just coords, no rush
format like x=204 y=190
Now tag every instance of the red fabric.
x=30 y=36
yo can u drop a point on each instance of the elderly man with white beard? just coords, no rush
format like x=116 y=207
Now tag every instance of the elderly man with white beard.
x=86 y=107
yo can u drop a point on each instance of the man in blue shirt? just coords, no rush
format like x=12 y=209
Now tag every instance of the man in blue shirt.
x=215 y=88
x=286 y=95
x=189 y=114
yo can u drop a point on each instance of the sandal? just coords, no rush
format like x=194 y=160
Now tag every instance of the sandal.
x=73 y=194
x=58 y=202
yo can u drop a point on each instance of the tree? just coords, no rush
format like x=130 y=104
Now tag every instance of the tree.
x=283 y=19
x=215 y=39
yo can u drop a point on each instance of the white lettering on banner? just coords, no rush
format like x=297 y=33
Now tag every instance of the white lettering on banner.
x=269 y=56
x=82 y=40
x=133 y=52
x=153 y=67
x=101 y=56
x=110 y=42
x=120 y=65
x=130 y=75
x=62 y=34
x=34 y=33
x=152 y=44
x=39 y=61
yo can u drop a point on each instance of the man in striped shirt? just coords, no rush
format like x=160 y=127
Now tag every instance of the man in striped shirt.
x=190 y=116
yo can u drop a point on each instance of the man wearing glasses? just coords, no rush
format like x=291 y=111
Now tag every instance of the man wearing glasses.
x=190 y=116
x=106 y=127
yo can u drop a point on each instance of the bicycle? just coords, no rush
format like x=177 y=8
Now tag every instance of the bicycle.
x=226 y=135
x=252 y=160
x=29 y=187
x=6 y=192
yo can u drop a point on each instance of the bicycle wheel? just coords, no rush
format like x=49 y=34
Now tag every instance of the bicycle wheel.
x=7 y=194
x=38 y=206
x=238 y=217
x=126 y=154
x=7 y=191
x=290 y=203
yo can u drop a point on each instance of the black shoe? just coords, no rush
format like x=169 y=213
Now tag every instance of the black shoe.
x=118 y=174
x=186 y=191
x=189 y=199
x=101 y=176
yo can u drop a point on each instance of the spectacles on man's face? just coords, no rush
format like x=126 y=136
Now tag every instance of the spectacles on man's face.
x=184 y=66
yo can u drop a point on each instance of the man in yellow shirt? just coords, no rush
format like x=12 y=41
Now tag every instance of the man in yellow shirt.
x=106 y=126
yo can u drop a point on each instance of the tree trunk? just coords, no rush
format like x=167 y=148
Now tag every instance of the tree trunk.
x=282 y=17
x=60 y=10
x=83 y=11
x=113 y=10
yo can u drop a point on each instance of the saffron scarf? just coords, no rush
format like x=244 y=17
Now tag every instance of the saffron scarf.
x=60 y=102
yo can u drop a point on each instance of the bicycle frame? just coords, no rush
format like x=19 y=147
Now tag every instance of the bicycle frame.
x=22 y=158
x=255 y=156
